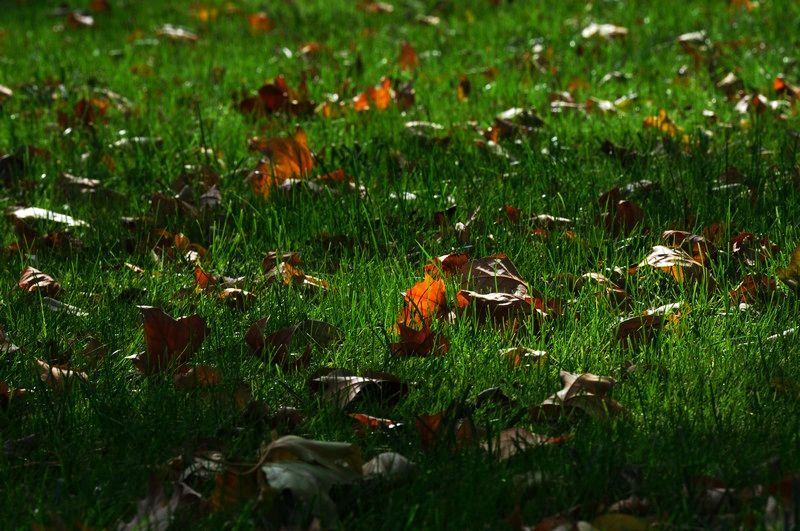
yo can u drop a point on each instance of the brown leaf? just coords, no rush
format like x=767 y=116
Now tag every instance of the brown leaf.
x=790 y=275
x=155 y=511
x=677 y=263
x=603 y=31
x=502 y=308
x=446 y=427
x=370 y=423
x=34 y=281
x=694 y=245
x=260 y=22
x=633 y=331
x=750 y=250
x=344 y=389
x=513 y=441
x=586 y=393
x=236 y=298
x=493 y=274
x=408 y=59
x=169 y=343
x=197 y=377
x=59 y=378
x=754 y=288
x=176 y=34
x=285 y=158
x=423 y=342
x=524 y=357
x=77 y=20
x=291 y=347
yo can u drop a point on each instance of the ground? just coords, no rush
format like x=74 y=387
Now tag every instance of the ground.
x=434 y=180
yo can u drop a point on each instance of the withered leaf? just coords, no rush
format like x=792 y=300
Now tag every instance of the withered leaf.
x=603 y=31
x=677 y=263
x=35 y=213
x=291 y=347
x=176 y=34
x=34 y=281
x=790 y=275
x=285 y=158
x=59 y=378
x=587 y=393
x=169 y=343
x=633 y=331
x=513 y=441
x=390 y=465
x=408 y=57
x=344 y=389
x=524 y=357
x=155 y=511
x=754 y=288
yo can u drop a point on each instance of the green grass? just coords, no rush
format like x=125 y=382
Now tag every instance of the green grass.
x=712 y=411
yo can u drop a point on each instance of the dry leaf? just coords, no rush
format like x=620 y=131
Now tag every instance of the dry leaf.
x=603 y=31
x=790 y=275
x=169 y=343
x=34 y=281
x=344 y=389
x=285 y=158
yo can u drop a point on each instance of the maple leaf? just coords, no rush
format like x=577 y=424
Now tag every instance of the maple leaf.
x=285 y=158
x=169 y=343
x=425 y=301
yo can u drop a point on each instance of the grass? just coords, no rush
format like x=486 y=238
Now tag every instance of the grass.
x=709 y=408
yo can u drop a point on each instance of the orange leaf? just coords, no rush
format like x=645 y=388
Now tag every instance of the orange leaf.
x=285 y=158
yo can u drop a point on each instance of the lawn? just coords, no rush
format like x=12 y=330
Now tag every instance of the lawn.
x=431 y=232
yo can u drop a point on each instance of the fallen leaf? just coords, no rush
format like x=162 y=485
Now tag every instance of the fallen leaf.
x=155 y=511
x=308 y=469
x=58 y=377
x=176 y=34
x=344 y=389
x=77 y=20
x=169 y=343
x=587 y=393
x=425 y=302
x=677 y=263
x=389 y=465
x=408 y=57
x=524 y=357
x=513 y=441
x=753 y=289
x=633 y=331
x=285 y=158
x=603 y=31
x=260 y=22
x=790 y=275
x=35 y=213
x=34 y=281
x=291 y=347
x=197 y=377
